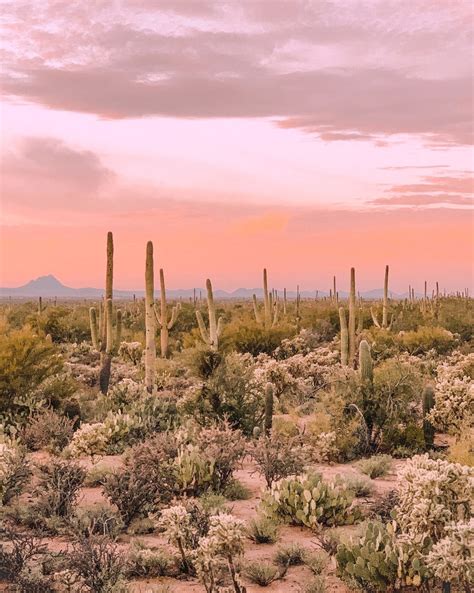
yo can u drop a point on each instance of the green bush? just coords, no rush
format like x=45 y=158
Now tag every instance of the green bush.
x=376 y=466
x=308 y=500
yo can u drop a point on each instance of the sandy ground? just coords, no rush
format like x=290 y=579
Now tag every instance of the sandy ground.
x=295 y=578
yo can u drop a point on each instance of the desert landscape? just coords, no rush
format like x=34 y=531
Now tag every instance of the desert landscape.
x=236 y=313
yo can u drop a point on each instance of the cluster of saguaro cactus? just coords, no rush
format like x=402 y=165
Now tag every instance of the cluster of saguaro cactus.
x=349 y=332
x=102 y=332
x=270 y=305
x=211 y=336
x=385 y=324
x=164 y=323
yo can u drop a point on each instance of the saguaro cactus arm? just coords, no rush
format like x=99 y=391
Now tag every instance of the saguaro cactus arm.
x=202 y=328
x=258 y=317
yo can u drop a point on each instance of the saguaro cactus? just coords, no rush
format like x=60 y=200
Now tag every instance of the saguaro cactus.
x=268 y=421
x=428 y=404
x=270 y=305
x=365 y=364
x=352 y=320
x=384 y=324
x=150 y=344
x=344 y=337
x=162 y=317
x=94 y=329
x=107 y=338
x=211 y=337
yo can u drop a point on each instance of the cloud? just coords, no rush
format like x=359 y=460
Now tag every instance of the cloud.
x=463 y=184
x=424 y=200
x=338 y=71
x=44 y=172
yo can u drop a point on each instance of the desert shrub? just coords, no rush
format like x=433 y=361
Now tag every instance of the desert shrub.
x=48 y=430
x=232 y=393
x=376 y=466
x=125 y=393
x=290 y=555
x=98 y=565
x=316 y=562
x=361 y=487
x=235 y=490
x=153 y=414
x=263 y=530
x=454 y=393
x=146 y=562
x=308 y=500
x=254 y=339
x=14 y=471
x=263 y=573
x=131 y=352
x=462 y=450
x=26 y=361
x=329 y=541
x=424 y=339
x=57 y=489
x=382 y=508
x=303 y=343
x=96 y=476
x=316 y=585
x=451 y=558
x=276 y=457
x=22 y=549
x=96 y=520
x=432 y=494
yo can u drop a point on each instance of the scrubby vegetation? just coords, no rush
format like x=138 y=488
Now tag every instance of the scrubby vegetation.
x=230 y=445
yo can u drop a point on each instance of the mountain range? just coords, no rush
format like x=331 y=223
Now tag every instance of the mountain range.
x=50 y=287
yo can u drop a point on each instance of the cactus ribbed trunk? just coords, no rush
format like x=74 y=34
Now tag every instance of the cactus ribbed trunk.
x=352 y=320
x=334 y=288
x=150 y=344
x=365 y=364
x=256 y=312
x=40 y=305
x=94 y=330
x=164 y=332
x=385 y=300
x=118 y=330
x=344 y=337
x=428 y=428
x=266 y=301
x=284 y=301
x=211 y=337
x=106 y=332
x=268 y=421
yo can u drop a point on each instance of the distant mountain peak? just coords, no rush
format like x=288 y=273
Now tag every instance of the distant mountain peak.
x=48 y=281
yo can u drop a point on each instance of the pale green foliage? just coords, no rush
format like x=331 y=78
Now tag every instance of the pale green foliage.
x=376 y=466
x=14 y=471
x=433 y=493
x=454 y=393
x=452 y=557
x=308 y=500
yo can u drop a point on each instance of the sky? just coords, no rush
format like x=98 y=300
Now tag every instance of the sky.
x=303 y=136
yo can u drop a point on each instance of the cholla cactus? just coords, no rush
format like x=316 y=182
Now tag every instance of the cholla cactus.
x=452 y=558
x=176 y=523
x=162 y=317
x=454 y=393
x=131 y=352
x=433 y=493
x=211 y=337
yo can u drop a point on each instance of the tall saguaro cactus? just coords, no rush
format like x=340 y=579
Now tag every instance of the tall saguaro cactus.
x=106 y=345
x=352 y=320
x=384 y=324
x=365 y=364
x=150 y=344
x=211 y=336
x=268 y=420
x=94 y=330
x=344 y=337
x=428 y=428
x=162 y=317
x=270 y=305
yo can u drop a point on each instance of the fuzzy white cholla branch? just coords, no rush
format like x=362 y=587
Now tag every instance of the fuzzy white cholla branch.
x=452 y=558
x=454 y=393
x=433 y=493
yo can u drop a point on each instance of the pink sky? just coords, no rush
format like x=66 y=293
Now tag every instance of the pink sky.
x=307 y=137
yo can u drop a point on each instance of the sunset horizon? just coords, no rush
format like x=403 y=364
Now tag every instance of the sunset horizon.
x=304 y=137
